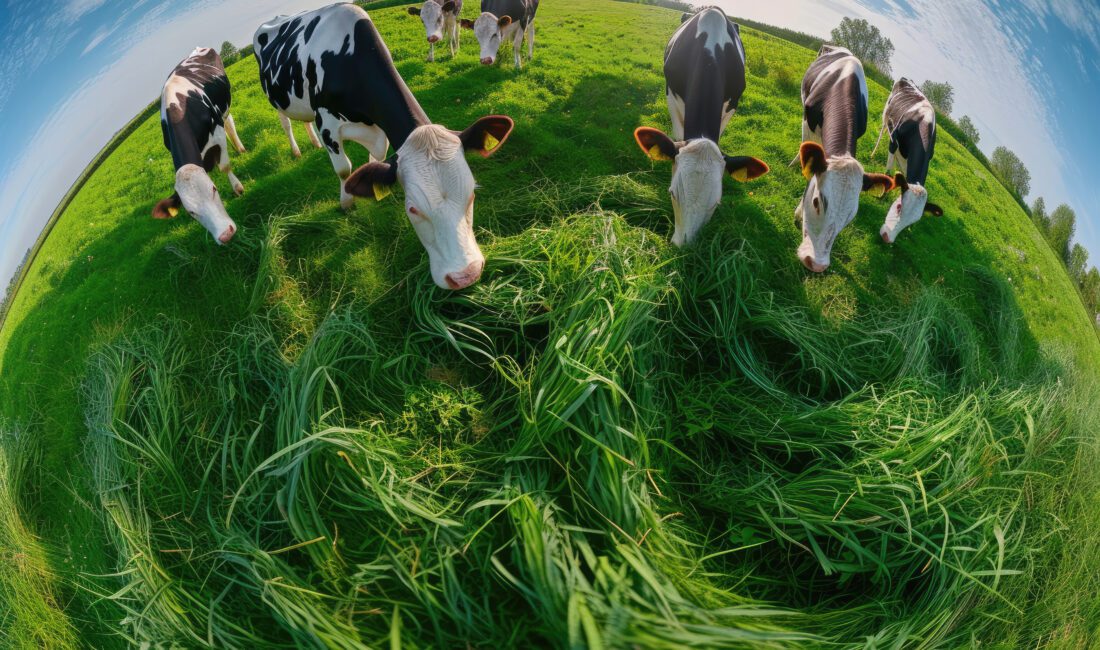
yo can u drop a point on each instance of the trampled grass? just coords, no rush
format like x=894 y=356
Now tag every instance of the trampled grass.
x=608 y=442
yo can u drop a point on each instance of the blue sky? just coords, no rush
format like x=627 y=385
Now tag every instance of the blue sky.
x=1026 y=71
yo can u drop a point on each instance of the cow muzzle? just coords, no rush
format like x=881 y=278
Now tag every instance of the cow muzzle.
x=487 y=61
x=227 y=234
x=433 y=39
x=813 y=266
x=466 y=277
x=886 y=237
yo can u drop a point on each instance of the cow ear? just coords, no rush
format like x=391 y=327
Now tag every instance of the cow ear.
x=466 y=23
x=449 y=7
x=655 y=144
x=880 y=182
x=745 y=168
x=167 y=208
x=813 y=159
x=414 y=11
x=504 y=21
x=900 y=182
x=373 y=180
x=933 y=209
x=487 y=134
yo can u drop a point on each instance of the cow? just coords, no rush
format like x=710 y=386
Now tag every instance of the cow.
x=834 y=117
x=440 y=19
x=330 y=66
x=195 y=120
x=503 y=20
x=704 y=80
x=911 y=121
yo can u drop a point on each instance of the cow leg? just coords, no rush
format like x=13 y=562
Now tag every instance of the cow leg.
x=517 y=46
x=531 y=41
x=452 y=30
x=676 y=112
x=431 y=52
x=371 y=137
x=289 y=129
x=227 y=169
x=231 y=131
x=313 y=135
x=331 y=130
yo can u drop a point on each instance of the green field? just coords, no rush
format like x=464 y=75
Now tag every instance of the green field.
x=608 y=442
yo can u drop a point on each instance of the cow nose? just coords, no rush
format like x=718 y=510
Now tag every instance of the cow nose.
x=487 y=60
x=466 y=277
x=228 y=234
x=433 y=39
x=886 y=237
x=809 y=263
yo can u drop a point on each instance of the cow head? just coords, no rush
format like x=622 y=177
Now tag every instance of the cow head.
x=831 y=201
x=433 y=13
x=907 y=210
x=697 y=170
x=197 y=193
x=489 y=31
x=439 y=192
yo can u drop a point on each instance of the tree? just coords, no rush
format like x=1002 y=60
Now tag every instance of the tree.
x=1011 y=171
x=1090 y=289
x=969 y=129
x=942 y=96
x=1078 y=264
x=1040 y=217
x=228 y=52
x=1063 y=225
x=865 y=41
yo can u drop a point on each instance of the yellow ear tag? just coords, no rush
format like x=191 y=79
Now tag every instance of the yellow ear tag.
x=807 y=170
x=656 y=154
x=740 y=175
x=381 y=191
x=490 y=142
x=173 y=212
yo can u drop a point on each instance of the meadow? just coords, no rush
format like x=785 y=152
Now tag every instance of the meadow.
x=298 y=441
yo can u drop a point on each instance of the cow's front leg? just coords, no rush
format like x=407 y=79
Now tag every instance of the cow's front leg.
x=371 y=137
x=456 y=38
x=231 y=131
x=431 y=52
x=331 y=135
x=517 y=47
x=227 y=169
x=288 y=127
x=312 y=133
x=531 y=41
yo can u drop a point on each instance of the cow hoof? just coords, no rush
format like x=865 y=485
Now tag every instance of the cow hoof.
x=430 y=60
x=296 y=153
x=241 y=150
x=238 y=189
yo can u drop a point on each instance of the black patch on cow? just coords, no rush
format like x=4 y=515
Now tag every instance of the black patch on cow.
x=835 y=103
x=211 y=158
x=705 y=78
x=520 y=11
x=312 y=26
x=189 y=121
x=911 y=120
x=262 y=38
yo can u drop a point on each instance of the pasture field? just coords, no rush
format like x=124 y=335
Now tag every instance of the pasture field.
x=297 y=440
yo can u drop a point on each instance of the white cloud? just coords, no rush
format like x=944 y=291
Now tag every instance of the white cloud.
x=98 y=38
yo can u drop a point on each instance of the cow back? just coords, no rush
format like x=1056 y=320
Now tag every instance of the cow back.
x=705 y=67
x=834 y=99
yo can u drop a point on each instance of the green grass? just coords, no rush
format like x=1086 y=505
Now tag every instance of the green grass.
x=298 y=440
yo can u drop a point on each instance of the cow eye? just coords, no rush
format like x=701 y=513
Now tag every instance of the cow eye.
x=817 y=204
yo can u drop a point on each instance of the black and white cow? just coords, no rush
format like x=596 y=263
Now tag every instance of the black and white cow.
x=501 y=21
x=704 y=80
x=911 y=121
x=834 y=102
x=195 y=120
x=440 y=19
x=330 y=66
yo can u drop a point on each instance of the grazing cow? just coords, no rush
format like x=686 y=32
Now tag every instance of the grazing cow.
x=195 y=119
x=440 y=20
x=911 y=121
x=834 y=101
x=704 y=80
x=501 y=20
x=330 y=66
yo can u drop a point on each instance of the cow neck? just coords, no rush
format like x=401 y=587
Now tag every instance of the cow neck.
x=391 y=105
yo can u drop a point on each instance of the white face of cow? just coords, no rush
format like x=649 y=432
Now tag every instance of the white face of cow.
x=830 y=202
x=906 y=211
x=200 y=198
x=432 y=15
x=696 y=187
x=439 y=201
x=489 y=32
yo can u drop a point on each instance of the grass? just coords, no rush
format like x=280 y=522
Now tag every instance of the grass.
x=298 y=441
